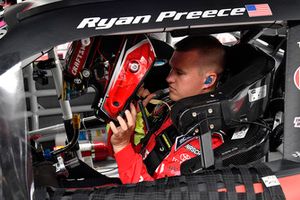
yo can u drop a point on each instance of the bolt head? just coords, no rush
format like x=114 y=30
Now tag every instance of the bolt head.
x=134 y=66
x=86 y=42
x=86 y=73
x=77 y=81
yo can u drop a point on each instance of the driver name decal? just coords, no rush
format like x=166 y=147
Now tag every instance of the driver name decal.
x=297 y=122
x=297 y=78
x=98 y=23
x=107 y=23
x=175 y=16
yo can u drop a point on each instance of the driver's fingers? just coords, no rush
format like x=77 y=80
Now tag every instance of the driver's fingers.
x=122 y=123
x=113 y=127
x=140 y=91
x=129 y=118
x=133 y=112
x=145 y=93
x=148 y=99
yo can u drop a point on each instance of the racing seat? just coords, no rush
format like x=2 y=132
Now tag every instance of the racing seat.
x=236 y=107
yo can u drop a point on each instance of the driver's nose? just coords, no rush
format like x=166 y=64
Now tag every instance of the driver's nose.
x=170 y=78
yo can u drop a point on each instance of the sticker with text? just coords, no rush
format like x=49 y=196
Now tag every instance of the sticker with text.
x=270 y=181
x=297 y=122
x=240 y=133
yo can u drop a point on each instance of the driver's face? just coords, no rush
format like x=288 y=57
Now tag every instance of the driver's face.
x=186 y=77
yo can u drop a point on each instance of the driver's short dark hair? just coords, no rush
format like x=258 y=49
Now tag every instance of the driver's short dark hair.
x=208 y=46
x=195 y=42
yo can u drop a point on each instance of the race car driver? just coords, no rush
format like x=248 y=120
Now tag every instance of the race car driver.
x=197 y=63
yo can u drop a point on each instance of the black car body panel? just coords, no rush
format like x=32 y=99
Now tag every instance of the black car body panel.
x=33 y=27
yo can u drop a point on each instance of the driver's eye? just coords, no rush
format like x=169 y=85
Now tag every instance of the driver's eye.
x=179 y=72
x=176 y=71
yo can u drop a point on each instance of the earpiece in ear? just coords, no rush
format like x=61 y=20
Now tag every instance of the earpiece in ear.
x=208 y=80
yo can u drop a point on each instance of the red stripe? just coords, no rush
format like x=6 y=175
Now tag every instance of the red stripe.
x=289 y=185
x=86 y=153
x=2 y=23
x=261 y=10
x=297 y=78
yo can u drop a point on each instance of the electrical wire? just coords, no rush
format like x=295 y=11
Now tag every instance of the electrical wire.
x=157 y=101
x=255 y=123
x=236 y=121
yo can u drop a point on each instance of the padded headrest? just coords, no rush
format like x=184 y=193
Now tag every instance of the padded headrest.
x=244 y=65
x=239 y=56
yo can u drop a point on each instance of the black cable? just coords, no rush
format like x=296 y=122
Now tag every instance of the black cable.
x=144 y=115
x=255 y=123
x=70 y=144
x=276 y=137
x=236 y=121
x=269 y=120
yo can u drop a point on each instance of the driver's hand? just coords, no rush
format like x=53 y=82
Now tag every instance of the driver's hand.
x=122 y=134
x=145 y=95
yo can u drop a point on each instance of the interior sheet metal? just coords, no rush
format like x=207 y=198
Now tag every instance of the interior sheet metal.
x=15 y=161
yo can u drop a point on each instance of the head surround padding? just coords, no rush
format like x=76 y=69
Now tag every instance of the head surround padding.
x=244 y=65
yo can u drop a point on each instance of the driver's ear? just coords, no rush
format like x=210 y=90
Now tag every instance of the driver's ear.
x=210 y=80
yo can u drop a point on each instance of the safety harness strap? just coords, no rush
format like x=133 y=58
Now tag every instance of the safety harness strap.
x=272 y=188
x=163 y=146
x=191 y=166
x=195 y=192
x=248 y=182
x=229 y=181
x=211 y=181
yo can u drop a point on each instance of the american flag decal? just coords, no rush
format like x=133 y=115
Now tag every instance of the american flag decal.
x=257 y=10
